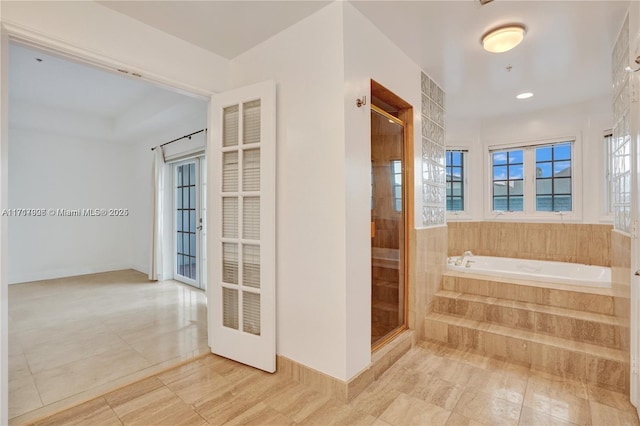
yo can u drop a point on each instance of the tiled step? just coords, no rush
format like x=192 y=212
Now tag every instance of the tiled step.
x=596 y=300
x=601 y=366
x=570 y=324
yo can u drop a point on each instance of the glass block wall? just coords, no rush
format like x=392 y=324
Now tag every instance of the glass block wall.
x=433 y=153
x=621 y=141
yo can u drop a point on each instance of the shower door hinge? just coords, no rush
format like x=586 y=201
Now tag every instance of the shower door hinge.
x=634 y=229
x=634 y=365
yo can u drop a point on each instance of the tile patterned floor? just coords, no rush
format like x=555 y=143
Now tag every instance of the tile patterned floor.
x=69 y=336
x=430 y=385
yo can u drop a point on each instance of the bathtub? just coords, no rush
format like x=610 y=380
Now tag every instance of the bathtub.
x=534 y=270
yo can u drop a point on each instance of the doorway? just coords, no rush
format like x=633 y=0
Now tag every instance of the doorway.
x=189 y=241
x=110 y=325
x=390 y=206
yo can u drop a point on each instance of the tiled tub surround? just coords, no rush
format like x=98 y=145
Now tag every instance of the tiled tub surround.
x=564 y=330
x=575 y=243
x=427 y=260
x=621 y=278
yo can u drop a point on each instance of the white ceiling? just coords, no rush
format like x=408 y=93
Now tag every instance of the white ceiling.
x=565 y=57
x=119 y=107
x=227 y=28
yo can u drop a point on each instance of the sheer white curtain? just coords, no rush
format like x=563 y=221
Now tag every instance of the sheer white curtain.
x=157 y=214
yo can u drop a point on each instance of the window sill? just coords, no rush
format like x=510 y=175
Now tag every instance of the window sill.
x=461 y=216
x=524 y=217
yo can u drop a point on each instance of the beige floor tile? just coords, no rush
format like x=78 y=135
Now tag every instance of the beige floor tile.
x=532 y=417
x=261 y=414
x=222 y=408
x=71 y=349
x=18 y=366
x=487 y=409
x=24 y=395
x=424 y=387
x=502 y=386
x=94 y=412
x=68 y=331
x=136 y=390
x=297 y=401
x=169 y=345
x=456 y=419
x=438 y=392
x=78 y=376
x=199 y=385
x=375 y=399
x=407 y=410
x=336 y=413
x=158 y=406
x=603 y=415
x=548 y=398
x=612 y=399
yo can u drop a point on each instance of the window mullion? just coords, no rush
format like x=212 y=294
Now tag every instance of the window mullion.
x=529 y=181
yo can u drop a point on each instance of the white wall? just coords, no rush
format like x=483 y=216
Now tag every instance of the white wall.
x=95 y=29
x=50 y=171
x=586 y=120
x=321 y=66
x=306 y=62
x=369 y=54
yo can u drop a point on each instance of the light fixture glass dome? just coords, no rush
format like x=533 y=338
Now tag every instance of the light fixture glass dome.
x=503 y=39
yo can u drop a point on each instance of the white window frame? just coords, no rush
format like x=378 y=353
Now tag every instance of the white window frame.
x=464 y=214
x=529 y=158
x=607 y=182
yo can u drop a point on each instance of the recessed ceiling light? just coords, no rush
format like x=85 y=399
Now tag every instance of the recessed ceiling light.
x=503 y=39
x=524 y=95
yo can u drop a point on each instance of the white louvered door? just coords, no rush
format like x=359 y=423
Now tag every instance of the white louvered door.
x=242 y=194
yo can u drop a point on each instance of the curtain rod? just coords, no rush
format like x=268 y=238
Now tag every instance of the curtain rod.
x=180 y=138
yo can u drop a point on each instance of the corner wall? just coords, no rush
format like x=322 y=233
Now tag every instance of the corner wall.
x=388 y=65
x=306 y=62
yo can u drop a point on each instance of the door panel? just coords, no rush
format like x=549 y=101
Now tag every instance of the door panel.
x=242 y=249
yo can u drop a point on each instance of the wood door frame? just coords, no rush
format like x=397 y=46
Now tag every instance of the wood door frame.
x=405 y=114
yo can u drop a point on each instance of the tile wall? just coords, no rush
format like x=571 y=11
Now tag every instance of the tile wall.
x=576 y=243
x=621 y=277
x=428 y=251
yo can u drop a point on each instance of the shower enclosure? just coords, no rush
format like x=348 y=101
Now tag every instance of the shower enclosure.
x=388 y=289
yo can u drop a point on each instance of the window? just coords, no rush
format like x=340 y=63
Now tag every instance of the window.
x=535 y=180
x=553 y=178
x=396 y=176
x=186 y=224
x=455 y=170
x=508 y=180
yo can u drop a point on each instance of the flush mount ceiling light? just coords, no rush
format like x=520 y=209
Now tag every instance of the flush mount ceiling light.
x=503 y=38
x=526 y=95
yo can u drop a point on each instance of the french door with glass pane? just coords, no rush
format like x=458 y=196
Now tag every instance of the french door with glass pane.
x=242 y=247
x=187 y=183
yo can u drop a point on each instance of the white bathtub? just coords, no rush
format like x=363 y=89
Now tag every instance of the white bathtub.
x=534 y=270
